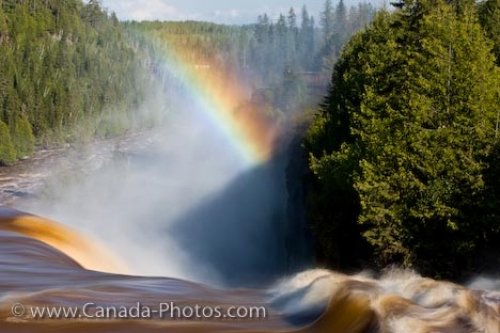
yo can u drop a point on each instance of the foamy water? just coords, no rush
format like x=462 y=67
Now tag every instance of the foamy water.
x=43 y=263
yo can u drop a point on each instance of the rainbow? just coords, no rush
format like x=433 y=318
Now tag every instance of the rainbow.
x=219 y=93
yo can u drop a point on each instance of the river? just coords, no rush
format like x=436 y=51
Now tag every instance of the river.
x=113 y=253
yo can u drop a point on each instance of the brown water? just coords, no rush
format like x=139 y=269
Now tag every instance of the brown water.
x=26 y=179
x=43 y=263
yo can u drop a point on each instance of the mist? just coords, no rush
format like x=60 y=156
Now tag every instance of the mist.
x=174 y=201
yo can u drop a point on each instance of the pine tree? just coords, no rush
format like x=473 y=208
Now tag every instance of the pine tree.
x=7 y=152
x=23 y=140
x=3 y=25
x=293 y=38
x=57 y=57
x=292 y=19
x=306 y=20
x=327 y=21
x=306 y=40
x=340 y=24
x=402 y=147
x=489 y=14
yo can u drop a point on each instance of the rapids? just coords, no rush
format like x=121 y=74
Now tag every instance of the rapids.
x=43 y=263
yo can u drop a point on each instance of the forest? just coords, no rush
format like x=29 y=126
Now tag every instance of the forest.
x=70 y=71
x=288 y=61
x=404 y=153
x=65 y=71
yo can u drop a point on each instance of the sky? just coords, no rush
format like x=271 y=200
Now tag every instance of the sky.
x=220 y=11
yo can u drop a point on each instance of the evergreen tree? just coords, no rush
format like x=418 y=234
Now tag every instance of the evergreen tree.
x=402 y=148
x=57 y=57
x=292 y=19
x=23 y=140
x=7 y=152
x=3 y=25
x=340 y=24
x=306 y=22
x=293 y=39
x=307 y=40
x=327 y=20
x=489 y=14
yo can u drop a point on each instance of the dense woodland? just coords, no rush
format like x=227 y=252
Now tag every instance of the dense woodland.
x=405 y=151
x=70 y=71
x=403 y=155
x=65 y=71
x=287 y=61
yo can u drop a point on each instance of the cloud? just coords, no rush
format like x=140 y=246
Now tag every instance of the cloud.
x=227 y=13
x=220 y=11
x=143 y=10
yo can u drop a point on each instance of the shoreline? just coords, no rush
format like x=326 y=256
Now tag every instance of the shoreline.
x=23 y=179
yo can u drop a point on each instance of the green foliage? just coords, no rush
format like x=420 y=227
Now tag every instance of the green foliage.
x=22 y=137
x=7 y=152
x=70 y=72
x=338 y=25
x=3 y=23
x=274 y=56
x=63 y=63
x=489 y=14
x=403 y=148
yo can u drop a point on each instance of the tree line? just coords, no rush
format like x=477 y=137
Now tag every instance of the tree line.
x=295 y=47
x=404 y=153
x=277 y=56
x=70 y=71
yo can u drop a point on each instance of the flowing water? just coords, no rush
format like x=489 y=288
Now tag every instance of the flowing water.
x=134 y=235
x=116 y=246
x=203 y=199
x=45 y=264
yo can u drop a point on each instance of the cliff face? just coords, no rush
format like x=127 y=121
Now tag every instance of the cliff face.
x=298 y=242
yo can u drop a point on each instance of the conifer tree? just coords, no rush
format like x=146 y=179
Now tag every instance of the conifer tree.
x=7 y=152
x=327 y=20
x=57 y=57
x=401 y=149
x=489 y=14
x=340 y=23
x=23 y=140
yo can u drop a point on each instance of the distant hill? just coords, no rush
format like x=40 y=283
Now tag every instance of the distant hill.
x=62 y=64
